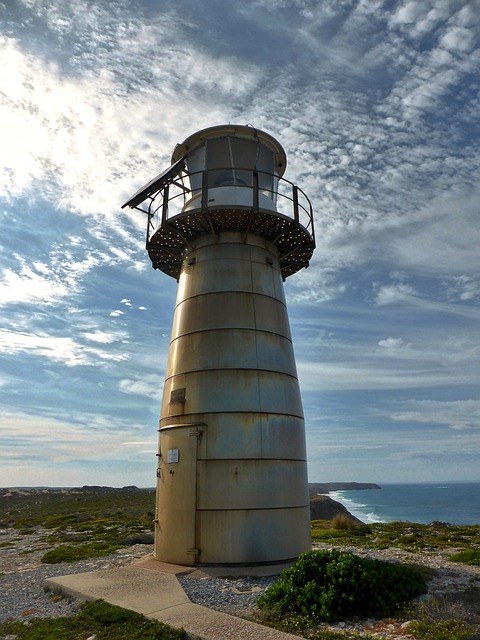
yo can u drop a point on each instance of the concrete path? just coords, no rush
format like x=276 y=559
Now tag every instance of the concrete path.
x=151 y=587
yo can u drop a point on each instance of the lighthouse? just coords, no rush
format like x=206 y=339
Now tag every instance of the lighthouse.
x=231 y=465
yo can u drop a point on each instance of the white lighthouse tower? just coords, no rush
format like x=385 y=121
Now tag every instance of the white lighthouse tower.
x=231 y=477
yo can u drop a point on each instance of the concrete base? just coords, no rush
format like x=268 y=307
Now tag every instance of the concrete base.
x=150 y=587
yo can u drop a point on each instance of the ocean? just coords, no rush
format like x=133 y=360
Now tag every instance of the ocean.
x=456 y=503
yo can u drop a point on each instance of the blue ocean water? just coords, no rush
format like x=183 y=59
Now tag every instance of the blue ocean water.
x=457 y=503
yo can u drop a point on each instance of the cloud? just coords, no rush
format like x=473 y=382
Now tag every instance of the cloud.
x=150 y=386
x=458 y=415
x=31 y=286
x=54 y=279
x=390 y=344
x=394 y=294
x=104 y=337
x=463 y=288
x=56 y=441
x=56 y=348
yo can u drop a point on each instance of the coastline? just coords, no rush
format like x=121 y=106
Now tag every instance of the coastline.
x=453 y=502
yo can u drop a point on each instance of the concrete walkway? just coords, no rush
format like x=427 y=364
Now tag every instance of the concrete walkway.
x=151 y=587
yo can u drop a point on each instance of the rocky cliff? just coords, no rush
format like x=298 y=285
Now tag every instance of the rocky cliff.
x=325 y=508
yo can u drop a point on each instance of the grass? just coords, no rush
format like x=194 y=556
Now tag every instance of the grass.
x=97 y=619
x=84 y=522
x=453 y=617
x=435 y=536
x=469 y=556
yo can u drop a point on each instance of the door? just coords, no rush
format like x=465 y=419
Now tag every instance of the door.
x=177 y=494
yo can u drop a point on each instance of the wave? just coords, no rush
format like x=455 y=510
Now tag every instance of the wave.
x=360 y=510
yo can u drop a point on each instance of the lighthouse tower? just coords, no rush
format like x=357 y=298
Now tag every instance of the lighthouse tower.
x=231 y=475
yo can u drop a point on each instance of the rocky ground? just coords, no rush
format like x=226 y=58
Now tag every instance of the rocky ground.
x=22 y=575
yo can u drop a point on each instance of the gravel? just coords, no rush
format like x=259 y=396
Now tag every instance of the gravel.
x=23 y=595
x=234 y=596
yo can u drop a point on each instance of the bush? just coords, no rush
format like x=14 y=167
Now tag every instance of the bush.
x=469 y=556
x=70 y=553
x=137 y=538
x=331 y=586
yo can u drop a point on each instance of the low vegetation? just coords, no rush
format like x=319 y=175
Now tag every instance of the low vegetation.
x=87 y=522
x=408 y=536
x=330 y=586
x=453 y=617
x=96 y=619
x=469 y=556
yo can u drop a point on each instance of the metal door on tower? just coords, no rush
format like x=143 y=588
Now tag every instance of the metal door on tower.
x=176 y=482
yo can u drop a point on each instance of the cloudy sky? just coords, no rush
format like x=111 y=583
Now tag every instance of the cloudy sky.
x=376 y=104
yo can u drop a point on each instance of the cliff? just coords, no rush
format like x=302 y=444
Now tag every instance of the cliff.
x=324 y=508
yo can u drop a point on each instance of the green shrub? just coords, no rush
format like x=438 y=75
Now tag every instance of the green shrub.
x=137 y=538
x=331 y=586
x=469 y=556
x=107 y=614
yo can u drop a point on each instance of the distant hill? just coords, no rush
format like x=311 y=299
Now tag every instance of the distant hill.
x=327 y=487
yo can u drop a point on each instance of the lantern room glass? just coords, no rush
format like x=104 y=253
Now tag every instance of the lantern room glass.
x=231 y=162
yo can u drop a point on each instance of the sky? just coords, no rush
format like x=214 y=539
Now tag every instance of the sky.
x=377 y=106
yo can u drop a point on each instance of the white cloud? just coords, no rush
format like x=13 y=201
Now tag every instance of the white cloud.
x=391 y=344
x=398 y=293
x=116 y=313
x=457 y=414
x=58 y=349
x=104 y=337
x=59 y=441
x=409 y=12
x=150 y=385
x=29 y=286
x=458 y=39
x=463 y=287
x=65 y=133
x=46 y=283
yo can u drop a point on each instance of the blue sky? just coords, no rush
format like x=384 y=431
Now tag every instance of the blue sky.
x=376 y=104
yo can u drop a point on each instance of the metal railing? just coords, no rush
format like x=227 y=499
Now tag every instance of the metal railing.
x=188 y=193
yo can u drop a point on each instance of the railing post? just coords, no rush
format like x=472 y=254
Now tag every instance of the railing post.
x=295 y=202
x=165 y=205
x=149 y=218
x=204 y=191
x=255 y=191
